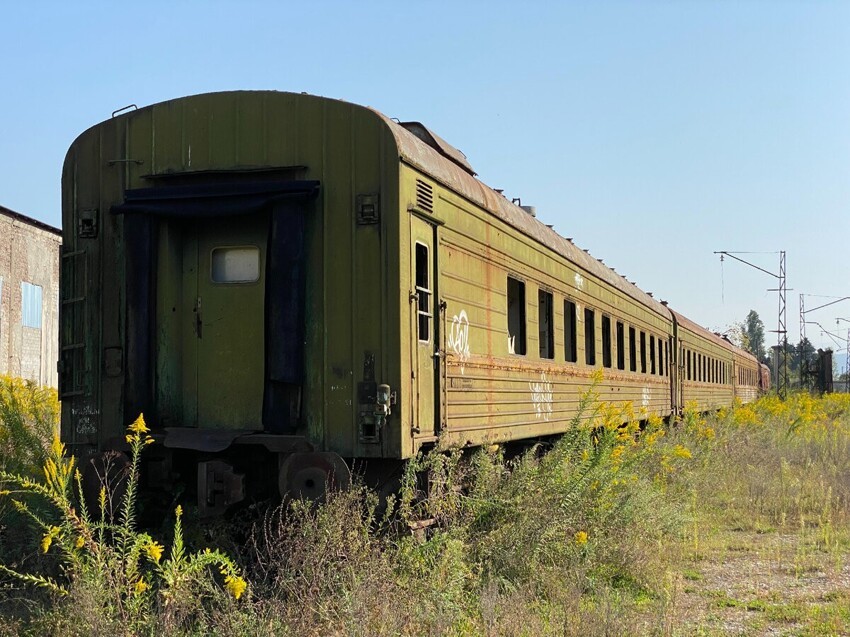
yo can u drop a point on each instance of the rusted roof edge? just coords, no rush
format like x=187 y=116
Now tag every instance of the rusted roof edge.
x=711 y=336
x=422 y=157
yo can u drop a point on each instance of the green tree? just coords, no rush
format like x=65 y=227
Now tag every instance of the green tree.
x=754 y=334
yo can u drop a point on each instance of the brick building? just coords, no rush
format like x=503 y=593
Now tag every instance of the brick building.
x=29 y=297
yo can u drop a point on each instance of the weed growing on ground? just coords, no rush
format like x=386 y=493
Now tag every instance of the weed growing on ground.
x=597 y=532
x=110 y=576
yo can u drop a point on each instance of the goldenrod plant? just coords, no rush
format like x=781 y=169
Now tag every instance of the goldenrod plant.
x=128 y=573
x=29 y=420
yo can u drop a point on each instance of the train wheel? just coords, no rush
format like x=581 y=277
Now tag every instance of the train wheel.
x=312 y=475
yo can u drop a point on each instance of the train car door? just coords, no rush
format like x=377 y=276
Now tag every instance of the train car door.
x=424 y=327
x=223 y=321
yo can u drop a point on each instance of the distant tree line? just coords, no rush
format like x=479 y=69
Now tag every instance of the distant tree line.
x=749 y=335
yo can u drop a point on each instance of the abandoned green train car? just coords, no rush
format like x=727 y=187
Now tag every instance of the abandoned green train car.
x=285 y=284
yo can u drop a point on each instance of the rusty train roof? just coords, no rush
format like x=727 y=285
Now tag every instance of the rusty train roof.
x=424 y=150
x=711 y=336
x=445 y=169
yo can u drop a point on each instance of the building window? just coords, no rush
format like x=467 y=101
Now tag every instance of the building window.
x=545 y=325
x=589 y=336
x=570 y=345
x=632 y=350
x=516 y=316
x=606 y=341
x=621 y=346
x=31 y=305
x=423 y=293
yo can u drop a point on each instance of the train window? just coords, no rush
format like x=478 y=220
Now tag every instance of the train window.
x=545 y=326
x=570 y=344
x=689 y=364
x=666 y=359
x=235 y=264
x=643 y=352
x=423 y=293
x=632 y=350
x=589 y=336
x=621 y=346
x=516 y=316
x=651 y=354
x=606 y=341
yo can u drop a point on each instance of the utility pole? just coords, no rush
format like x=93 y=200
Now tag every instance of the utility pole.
x=846 y=356
x=804 y=366
x=781 y=330
x=802 y=340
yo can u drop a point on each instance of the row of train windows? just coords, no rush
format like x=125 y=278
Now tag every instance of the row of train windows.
x=748 y=377
x=647 y=352
x=705 y=369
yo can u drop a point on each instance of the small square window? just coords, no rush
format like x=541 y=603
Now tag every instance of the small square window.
x=235 y=264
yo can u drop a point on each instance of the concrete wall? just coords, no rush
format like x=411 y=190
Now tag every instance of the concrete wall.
x=29 y=253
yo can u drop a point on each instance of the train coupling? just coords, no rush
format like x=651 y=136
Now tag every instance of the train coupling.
x=219 y=487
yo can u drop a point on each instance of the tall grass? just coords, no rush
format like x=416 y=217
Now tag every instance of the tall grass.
x=577 y=536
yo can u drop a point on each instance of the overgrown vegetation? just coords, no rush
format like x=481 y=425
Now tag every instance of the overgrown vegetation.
x=591 y=534
x=29 y=419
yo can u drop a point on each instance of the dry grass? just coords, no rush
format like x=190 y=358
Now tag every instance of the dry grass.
x=733 y=524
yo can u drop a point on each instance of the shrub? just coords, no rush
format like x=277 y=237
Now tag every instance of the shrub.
x=29 y=420
x=111 y=577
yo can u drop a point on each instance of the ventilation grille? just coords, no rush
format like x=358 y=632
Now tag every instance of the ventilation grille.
x=424 y=196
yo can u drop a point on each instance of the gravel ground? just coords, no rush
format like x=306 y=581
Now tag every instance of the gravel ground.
x=748 y=583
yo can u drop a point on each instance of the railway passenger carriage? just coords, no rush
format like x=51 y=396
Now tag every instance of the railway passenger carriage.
x=285 y=284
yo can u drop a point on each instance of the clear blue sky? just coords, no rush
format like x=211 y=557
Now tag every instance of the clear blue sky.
x=653 y=133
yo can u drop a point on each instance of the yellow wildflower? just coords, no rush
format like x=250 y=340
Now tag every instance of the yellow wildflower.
x=80 y=543
x=141 y=586
x=681 y=452
x=178 y=511
x=154 y=551
x=139 y=426
x=580 y=538
x=235 y=586
x=616 y=452
x=48 y=538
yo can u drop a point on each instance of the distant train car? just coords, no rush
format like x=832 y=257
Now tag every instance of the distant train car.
x=764 y=381
x=286 y=285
